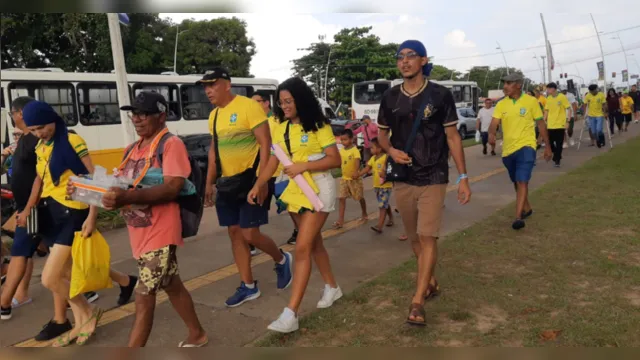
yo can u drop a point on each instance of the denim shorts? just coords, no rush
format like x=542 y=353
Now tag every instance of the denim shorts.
x=58 y=223
x=24 y=245
x=520 y=164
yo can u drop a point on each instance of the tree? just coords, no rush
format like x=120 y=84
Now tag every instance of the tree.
x=218 y=42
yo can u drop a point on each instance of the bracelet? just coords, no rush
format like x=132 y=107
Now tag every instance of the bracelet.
x=460 y=177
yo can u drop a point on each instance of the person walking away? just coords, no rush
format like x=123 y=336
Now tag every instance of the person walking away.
x=517 y=113
x=306 y=136
x=241 y=141
x=264 y=99
x=154 y=226
x=60 y=154
x=15 y=292
x=556 y=113
x=378 y=165
x=635 y=96
x=572 y=120
x=369 y=130
x=615 y=117
x=482 y=124
x=420 y=196
x=351 y=185
x=542 y=101
x=596 y=104
x=626 y=109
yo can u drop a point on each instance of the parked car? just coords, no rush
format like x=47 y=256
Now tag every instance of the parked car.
x=466 y=122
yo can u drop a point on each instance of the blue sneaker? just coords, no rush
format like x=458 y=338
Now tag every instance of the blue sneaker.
x=284 y=272
x=242 y=295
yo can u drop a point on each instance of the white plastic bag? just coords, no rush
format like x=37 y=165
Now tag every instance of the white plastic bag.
x=478 y=137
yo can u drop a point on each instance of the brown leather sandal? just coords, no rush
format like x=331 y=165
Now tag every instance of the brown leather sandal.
x=417 y=311
x=432 y=291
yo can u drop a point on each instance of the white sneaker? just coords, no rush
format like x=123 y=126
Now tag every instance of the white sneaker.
x=637 y=121
x=286 y=323
x=571 y=142
x=565 y=145
x=329 y=296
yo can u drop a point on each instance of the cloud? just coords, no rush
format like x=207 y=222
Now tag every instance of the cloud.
x=457 y=39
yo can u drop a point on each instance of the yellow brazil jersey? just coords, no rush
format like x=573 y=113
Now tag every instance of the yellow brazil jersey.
x=378 y=165
x=517 y=118
x=273 y=126
x=236 y=142
x=595 y=103
x=49 y=189
x=350 y=162
x=557 y=106
x=626 y=104
x=542 y=100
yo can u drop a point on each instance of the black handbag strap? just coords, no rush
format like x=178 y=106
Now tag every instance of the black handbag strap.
x=416 y=126
x=287 y=141
x=256 y=162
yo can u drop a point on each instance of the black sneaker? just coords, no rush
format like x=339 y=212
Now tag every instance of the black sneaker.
x=5 y=313
x=253 y=249
x=484 y=151
x=52 y=330
x=293 y=238
x=527 y=214
x=91 y=297
x=127 y=291
x=518 y=224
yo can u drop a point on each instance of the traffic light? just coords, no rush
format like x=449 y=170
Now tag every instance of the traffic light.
x=560 y=75
x=570 y=85
x=565 y=75
x=613 y=74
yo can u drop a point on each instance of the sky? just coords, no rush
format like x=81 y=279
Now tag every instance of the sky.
x=458 y=36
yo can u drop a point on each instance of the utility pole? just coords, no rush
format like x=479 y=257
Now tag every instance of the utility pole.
x=503 y=57
x=625 y=57
x=544 y=76
x=122 y=85
x=601 y=53
x=548 y=47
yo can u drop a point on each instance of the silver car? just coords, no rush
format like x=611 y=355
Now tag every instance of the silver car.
x=466 y=122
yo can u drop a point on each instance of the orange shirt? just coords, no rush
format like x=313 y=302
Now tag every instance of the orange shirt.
x=154 y=227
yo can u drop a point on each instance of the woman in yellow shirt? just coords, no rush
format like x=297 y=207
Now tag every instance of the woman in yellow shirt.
x=60 y=155
x=626 y=108
x=305 y=135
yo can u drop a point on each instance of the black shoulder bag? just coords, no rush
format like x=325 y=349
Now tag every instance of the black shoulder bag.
x=400 y=172
x=233 y=188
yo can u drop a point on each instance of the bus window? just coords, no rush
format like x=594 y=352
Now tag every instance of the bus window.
x=59 y=95
x=466 y=94
x=369 y=93
x=170 y=93
x=98 y=103
x=242 y=90
x=457 y=93
x=195 y=104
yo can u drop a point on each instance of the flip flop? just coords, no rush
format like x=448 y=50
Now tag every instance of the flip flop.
x=15 y=304
x=390 y=223
x=337 y=225
x=376 y=230
x=183 y=344
x=403 y=238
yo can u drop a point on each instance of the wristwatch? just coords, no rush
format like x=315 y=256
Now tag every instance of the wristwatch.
x=460 y=177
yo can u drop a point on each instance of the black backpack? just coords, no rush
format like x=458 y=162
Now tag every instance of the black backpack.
x=191 y=206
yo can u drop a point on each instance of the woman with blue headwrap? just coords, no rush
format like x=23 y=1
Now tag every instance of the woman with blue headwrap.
x=60 y=154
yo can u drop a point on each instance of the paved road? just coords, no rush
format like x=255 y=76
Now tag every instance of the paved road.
x=357 y=255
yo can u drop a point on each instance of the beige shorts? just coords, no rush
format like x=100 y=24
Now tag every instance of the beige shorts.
x=353 y=189
x=327 y=186
x=420 y=208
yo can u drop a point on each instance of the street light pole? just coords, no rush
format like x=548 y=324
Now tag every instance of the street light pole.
x=503 y=57
x=604 y=70
x=326 y=74
x=175 y=52
x=539 y=67
x=120 y=68
x=544 y=74
x=625 y=56
x=484 y=86
x=548 y=47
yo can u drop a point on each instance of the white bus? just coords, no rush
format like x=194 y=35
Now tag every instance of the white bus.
x=366 y=95
x=88 y=102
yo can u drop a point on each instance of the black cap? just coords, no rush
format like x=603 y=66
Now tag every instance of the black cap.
x=211 y=76
x=149 y=102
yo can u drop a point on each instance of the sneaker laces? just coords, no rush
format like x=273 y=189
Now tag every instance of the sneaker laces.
x=279 y=269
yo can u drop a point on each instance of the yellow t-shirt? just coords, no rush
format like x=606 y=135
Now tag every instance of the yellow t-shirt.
x=518 y=118
x=557 y=106
x=595 y=104
x=542 y=100
x=303 y=145
x=626 y=104
x=378 y=165
x=49 y=189
x=273 y=125
x=350 y=162
x=237 y=144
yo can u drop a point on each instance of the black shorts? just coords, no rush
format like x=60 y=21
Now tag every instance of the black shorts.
x=58 y=223
x=627 y=117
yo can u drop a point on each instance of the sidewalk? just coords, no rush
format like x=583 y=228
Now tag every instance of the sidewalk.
x=357 y=255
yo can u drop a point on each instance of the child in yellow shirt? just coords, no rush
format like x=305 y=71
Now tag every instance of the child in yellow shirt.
x=377 y=165
x=351 y=183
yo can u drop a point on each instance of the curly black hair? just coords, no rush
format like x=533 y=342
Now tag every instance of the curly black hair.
x=307 y=106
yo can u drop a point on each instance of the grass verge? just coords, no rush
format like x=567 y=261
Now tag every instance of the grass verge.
x=109 y=220
x=570 y=278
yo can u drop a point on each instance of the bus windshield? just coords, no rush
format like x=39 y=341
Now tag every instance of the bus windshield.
x=369 y=93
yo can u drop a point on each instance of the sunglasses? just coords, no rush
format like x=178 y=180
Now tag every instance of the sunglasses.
x=410 y=56
x=281 y=103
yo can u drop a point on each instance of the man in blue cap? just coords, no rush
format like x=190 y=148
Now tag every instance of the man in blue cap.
x=422 y=117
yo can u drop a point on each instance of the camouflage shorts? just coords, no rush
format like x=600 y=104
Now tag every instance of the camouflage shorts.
x=156 y=268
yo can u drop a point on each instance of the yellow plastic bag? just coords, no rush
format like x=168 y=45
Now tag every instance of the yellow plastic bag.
x=91 y=263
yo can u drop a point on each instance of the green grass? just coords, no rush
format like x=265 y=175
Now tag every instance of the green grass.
x=570 y=278
x=109 y=219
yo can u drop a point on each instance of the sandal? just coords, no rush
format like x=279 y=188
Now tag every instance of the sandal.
x=390 y=223
x=184 y=344
x=403 y=238
x=337 y=225
x=63 y=340
x=432 y=291
x=375 y=228
x=97 y=314
x=416 y=311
